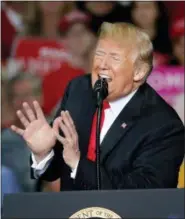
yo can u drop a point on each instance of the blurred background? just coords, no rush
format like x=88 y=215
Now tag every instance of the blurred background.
x=46 y=44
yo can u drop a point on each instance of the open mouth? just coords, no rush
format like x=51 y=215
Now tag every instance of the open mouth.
x=103 y=76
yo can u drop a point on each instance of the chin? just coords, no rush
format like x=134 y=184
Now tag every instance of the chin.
x=114 y=96
x=111 y=97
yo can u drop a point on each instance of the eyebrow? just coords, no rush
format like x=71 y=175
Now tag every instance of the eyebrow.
x=115 y=54
x=112 y=53
x=100 y=51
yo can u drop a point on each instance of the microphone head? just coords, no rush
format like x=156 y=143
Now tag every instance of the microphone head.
x=101 y=88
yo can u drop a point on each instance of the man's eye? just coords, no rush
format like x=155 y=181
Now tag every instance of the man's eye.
x=116 y=58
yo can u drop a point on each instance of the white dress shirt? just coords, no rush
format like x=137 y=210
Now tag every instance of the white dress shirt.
x=110 y=115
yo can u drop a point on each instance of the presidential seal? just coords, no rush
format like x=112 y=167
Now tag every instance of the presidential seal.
x=95 y=212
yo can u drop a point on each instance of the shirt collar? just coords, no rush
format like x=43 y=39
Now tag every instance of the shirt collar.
x=117 y=105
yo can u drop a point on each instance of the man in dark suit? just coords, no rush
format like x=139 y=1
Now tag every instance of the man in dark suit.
x=142 y=138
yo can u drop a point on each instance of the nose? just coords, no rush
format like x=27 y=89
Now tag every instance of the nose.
x=104 y=63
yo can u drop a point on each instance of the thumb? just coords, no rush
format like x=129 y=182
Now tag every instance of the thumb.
x=56 y=127
x=56 y=124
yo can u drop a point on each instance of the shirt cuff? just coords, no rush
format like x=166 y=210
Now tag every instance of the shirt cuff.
x=40 y=168
x=73 y=173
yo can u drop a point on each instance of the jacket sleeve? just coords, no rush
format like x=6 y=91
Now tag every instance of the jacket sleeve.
x=53 y=171
x=156 y=165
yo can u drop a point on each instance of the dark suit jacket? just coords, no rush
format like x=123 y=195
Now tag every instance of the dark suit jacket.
x=147 y=153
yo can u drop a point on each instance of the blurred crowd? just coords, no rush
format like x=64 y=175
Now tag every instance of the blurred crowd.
x=46 y=44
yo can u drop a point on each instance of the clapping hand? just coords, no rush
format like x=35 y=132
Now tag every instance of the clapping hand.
x=41 y=137
x=71 y=153
x=38 y=134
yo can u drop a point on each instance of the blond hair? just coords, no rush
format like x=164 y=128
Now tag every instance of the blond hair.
x=130 y=35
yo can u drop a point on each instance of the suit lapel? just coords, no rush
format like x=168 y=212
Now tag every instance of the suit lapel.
x=123 y=123
x=88 y=108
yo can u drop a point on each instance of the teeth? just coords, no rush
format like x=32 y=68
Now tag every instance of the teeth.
x=105 y=76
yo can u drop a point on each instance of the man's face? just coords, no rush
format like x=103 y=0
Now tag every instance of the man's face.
x=145 y=14
x=23 y=92
x=114 y=61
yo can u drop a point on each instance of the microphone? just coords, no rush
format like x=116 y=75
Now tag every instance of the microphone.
x=101 y=92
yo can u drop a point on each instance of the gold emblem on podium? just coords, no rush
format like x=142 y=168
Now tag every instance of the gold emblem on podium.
x=95 y=212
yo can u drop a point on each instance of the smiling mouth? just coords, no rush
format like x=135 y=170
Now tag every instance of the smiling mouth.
x=103 y=76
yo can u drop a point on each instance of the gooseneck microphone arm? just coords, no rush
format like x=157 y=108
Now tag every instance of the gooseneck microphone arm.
x=101 y=91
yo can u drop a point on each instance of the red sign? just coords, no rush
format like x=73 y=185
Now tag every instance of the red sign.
x=48 y=58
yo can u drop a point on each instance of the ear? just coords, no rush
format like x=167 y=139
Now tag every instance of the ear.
x=140 y=72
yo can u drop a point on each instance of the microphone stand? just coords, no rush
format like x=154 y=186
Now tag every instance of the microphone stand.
x=101 y=90
x=98 y=124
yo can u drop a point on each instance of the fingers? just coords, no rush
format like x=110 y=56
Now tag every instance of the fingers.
x=65 y=130
x=17 y=130
x=74 y=135
x=29 y=112
x=60 y=138
x=56 y=125
x=38 y=110
x=22 y=118
x=70 y=119
x=70 y=124
x=67 y=123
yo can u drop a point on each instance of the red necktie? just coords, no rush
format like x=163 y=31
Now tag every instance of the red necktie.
x=91 y=155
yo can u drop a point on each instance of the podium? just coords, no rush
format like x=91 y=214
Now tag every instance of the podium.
x=148 y=203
